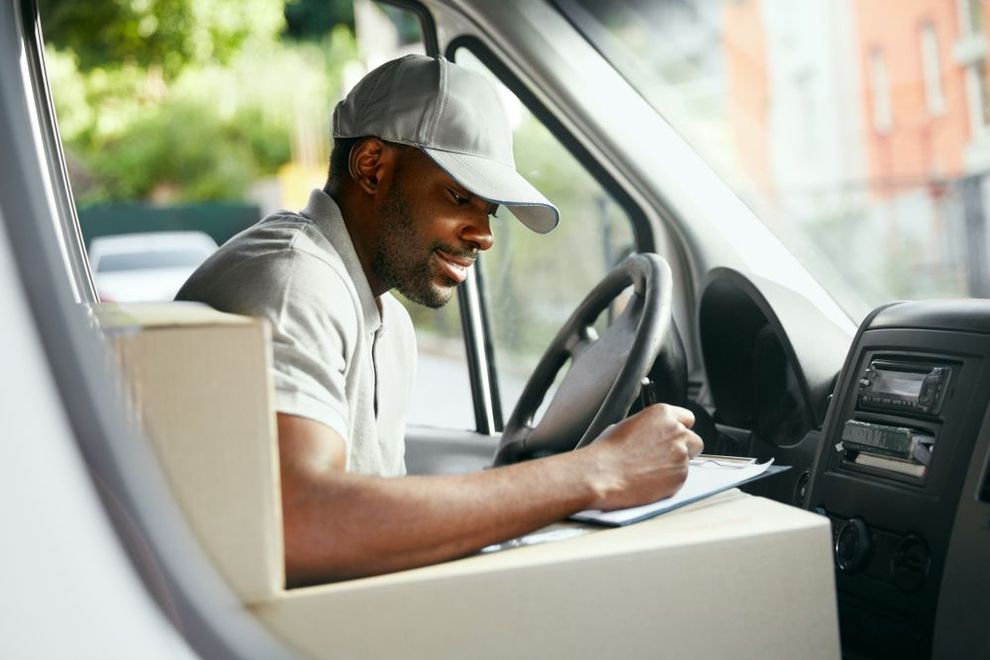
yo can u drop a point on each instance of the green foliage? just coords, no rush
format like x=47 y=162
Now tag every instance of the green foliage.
x=206 y=133
x=311 y=20
x=187 y=150
x=168 y=34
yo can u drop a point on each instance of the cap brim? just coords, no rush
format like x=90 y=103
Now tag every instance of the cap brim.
x=499 y=184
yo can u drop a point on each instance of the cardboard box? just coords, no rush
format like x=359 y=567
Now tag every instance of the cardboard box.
x=734 y=576
x=199 y=385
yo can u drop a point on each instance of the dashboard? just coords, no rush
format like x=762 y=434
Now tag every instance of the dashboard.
x=902 y=473
x=888 y=435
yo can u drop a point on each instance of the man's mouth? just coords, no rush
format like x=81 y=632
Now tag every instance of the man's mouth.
x=454 y=266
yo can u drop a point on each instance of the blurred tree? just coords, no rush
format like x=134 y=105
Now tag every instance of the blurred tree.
x=221 y=116
x=162 y=156
x=312 y=20
x=164 y=34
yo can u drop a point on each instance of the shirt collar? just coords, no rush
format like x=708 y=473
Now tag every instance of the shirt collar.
x=325 y=214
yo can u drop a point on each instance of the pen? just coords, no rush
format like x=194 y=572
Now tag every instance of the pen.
x=646 y=392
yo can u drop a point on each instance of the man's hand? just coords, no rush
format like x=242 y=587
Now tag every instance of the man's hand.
x=645 y=458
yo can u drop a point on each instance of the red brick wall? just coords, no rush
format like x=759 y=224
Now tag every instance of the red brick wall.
x=918 y=146
x=748 y=96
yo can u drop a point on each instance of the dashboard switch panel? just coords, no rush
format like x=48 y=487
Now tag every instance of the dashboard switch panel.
x=902 y=472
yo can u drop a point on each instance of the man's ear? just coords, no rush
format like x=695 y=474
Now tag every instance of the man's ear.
x=369 y=162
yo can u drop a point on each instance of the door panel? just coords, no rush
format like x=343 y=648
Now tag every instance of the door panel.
x=432 y=450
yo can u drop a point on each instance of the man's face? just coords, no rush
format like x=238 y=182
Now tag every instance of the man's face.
x=432 y=231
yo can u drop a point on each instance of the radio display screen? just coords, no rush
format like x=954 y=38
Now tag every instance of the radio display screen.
x=901 y=384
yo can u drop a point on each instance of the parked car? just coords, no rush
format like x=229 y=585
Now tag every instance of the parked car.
x=880 y=408
x=146 y=267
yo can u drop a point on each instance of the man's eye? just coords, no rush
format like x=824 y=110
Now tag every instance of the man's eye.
x=460 y=200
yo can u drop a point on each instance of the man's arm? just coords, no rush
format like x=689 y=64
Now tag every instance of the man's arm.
x=339 y=525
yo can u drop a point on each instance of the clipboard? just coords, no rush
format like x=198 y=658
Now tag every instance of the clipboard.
x=707 y=476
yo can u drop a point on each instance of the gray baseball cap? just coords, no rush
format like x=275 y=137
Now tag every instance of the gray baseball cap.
x=453 y=115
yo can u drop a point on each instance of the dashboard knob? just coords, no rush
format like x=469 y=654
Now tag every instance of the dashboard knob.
x=852 y=545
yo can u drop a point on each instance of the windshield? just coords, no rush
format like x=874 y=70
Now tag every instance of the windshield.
x=856 y=131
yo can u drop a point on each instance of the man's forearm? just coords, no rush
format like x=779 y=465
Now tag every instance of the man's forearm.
x=339 y=525
x=347 y=525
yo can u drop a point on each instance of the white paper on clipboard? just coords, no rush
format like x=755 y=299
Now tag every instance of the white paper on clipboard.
x=703 y=480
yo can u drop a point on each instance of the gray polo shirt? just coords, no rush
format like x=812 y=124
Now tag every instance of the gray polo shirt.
x=337 y=358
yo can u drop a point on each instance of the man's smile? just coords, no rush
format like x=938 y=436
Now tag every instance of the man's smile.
x=454 y=266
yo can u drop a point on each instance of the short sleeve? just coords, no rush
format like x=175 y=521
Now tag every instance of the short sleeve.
x=314 y=326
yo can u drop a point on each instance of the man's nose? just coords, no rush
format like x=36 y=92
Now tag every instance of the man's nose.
x=478 y=231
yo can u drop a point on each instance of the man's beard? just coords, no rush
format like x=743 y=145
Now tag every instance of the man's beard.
x=397 y=261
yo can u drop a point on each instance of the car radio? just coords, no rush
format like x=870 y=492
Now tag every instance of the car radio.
x=902 y=386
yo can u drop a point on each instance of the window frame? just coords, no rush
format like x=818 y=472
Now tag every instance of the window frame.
x=475 y=314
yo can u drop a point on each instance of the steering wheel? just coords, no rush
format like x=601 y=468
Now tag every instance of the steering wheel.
x=606 y=372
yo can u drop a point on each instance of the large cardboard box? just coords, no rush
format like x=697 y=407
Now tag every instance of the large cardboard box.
x=735 y=577
x=731 y=577
x=198 y=383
